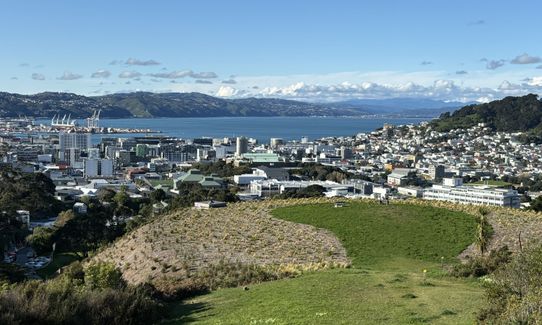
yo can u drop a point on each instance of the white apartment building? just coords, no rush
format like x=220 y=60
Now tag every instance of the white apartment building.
x=473 y=195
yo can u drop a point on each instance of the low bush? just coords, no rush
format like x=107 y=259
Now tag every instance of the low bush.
x=227 y=275
x=67 y=299
x=483 y=265
x=514 y=291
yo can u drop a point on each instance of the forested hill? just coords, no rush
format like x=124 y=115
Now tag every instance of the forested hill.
x=146 y=104
x=510 y=114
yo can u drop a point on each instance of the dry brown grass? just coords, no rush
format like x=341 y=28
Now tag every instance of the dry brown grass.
x=187 y=243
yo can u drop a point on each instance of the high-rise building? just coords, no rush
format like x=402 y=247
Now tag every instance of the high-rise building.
x=346 y=153
x=436 y=172
x=75 y=140
x=241 y=146
x=275 y=142
x=98 y=167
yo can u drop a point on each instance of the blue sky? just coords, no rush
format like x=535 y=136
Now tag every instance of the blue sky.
x=310 y=50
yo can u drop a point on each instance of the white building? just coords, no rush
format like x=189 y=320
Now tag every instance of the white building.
x=473 y=195
x=245 y=179
x=271 y=187
x=453 y=181
x=410 y=191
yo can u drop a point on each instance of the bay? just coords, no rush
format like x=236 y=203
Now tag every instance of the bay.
x=260 y=128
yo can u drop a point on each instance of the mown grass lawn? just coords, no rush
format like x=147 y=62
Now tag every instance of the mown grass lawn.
x=390 y=246
x=490 y=182
x=374 y=235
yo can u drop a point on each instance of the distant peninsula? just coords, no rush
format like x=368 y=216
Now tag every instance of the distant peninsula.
x=148 y=105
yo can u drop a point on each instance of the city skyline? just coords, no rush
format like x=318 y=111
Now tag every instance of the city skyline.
x=314 y=51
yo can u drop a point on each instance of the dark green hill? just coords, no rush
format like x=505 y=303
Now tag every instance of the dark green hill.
x=510 y=114
x=147 y=104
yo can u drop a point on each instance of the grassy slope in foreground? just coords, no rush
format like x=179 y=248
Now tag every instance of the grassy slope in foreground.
x=389 y=246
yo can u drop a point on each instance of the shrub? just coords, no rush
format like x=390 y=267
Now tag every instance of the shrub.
x=66 y=300
x=483 y=265
x=515 y=291
x=101 y=275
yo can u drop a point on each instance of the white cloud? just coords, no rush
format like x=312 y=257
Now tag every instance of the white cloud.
x=227 y=91
x=440 y=89
x=172 y=74
x=132 y=61
x=101 y=74
x=129 y=74
x=38 y=76
x=183 y=74
x=494 y=64
x=67 y=75
x=199 y=81
x=203 y=75
x=526 y=59
x=506 y=85
x=535 y=81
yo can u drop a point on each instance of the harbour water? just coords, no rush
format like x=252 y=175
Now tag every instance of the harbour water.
x=260 y=128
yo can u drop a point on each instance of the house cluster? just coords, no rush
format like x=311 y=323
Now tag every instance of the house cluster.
x=394 y=161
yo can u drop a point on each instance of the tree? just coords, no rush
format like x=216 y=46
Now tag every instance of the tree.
x=63 y=218
x=158 y=195
x=41 y=240
x=105 y=195
x=483 y=231
x=536 y=204
x=101 y=275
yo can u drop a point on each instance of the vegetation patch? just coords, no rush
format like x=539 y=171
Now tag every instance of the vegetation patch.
x=390 y=247
x=194 y=250
x=373 y=233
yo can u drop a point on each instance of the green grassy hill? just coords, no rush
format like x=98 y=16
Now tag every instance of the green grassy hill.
x=510 y=114
x=390 y=246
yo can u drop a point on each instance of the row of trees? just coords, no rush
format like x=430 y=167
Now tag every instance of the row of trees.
x=320 y=173
x=222 y=169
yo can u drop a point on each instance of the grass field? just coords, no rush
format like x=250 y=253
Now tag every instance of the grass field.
x=374 y=234
x=491 y=183
x=164 y=182
x=390 y=246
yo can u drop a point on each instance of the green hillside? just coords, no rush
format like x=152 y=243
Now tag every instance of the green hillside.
x=510 y=114
x=390 y=246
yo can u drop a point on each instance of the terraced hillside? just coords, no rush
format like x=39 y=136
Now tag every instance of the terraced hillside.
x=188 y=242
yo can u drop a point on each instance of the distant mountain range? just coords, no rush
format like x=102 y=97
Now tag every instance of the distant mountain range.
x=147 y=104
